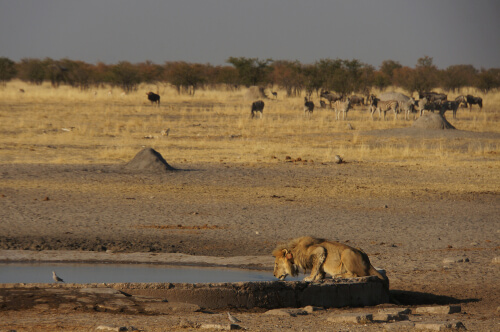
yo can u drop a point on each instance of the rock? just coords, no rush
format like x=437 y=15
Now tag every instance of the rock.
x=310 y=309
x=338 y=159
x=286 y=312
x=439 y=326
x=395 y=311
x=387 y=317
x=111 y=328
x=452 y=260
x=220 y=327
x=357 y=318
x=440 y=310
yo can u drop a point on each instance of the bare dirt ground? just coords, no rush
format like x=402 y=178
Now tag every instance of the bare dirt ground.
x=408 y=217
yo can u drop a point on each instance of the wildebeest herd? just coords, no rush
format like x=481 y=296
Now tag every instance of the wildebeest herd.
x=386 y=102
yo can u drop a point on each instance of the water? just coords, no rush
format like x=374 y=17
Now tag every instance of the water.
x=112 y=273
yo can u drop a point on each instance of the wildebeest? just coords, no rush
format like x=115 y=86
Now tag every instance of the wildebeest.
x=462 y=100
x=257 y=106
x=471 y=100
x=451 y=106
x=427 y=104
x=154 y=98
x=331 y=96
x=322 y=104
x=432 y=96
x=308 y=106
x=357 y=100
x=342 y=106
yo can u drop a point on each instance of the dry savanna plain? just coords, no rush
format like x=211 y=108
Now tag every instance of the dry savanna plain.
x=424 y=204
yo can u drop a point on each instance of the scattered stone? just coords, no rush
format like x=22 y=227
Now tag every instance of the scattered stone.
x=111 y=328
x=395 y=311
x=357 y=318
x=228 y=327
x=387 y=317
x=338 y=159
x=452 y=260
x=440 y=310
x=496 y=260
x=310 y=309
x=439 y=326
x=286 y=312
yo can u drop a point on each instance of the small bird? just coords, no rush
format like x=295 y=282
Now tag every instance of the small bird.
x=232 y=318
x=56 y=278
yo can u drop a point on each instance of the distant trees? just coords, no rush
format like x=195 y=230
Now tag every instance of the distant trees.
x=251 y=71
x=185 y=76
x=7 y=70
x=342 y=76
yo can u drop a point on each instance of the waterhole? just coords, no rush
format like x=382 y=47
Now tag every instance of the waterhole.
x=120 y=273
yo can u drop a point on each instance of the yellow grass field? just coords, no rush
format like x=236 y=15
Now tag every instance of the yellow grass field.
x=70 y=126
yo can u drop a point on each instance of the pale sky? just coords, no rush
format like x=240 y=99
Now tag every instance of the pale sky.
x=210 y=31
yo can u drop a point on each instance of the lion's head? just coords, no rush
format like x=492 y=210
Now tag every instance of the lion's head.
x=283 y=264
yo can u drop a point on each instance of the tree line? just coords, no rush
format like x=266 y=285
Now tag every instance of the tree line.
x=342 y=76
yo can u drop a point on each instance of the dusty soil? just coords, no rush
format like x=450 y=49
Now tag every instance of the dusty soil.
x=408 y=217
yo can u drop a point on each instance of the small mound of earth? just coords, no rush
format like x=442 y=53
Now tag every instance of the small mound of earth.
x=432 y=121
x=149 y=160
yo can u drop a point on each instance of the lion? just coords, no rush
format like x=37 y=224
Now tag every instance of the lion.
x=322 y=256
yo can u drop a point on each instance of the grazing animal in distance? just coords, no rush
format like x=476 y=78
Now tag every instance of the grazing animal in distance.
x=471 y=100
x=432 y=96
x=462 y=100
x=384 y=106
x=342 y=106
x=331 y=96
x=322 y=104
x=357 y=100
x=275 y=94
x=153 y=98
x=451 y=106
x=257 y=106
x=56 y=277
x=425 y=104
x=308 y=106
x=322 y=256
x=407 y=107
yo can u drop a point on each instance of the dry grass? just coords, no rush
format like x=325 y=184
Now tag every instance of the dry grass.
x=66 y=125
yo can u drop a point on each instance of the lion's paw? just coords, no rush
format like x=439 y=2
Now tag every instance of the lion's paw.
x=308 y=279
